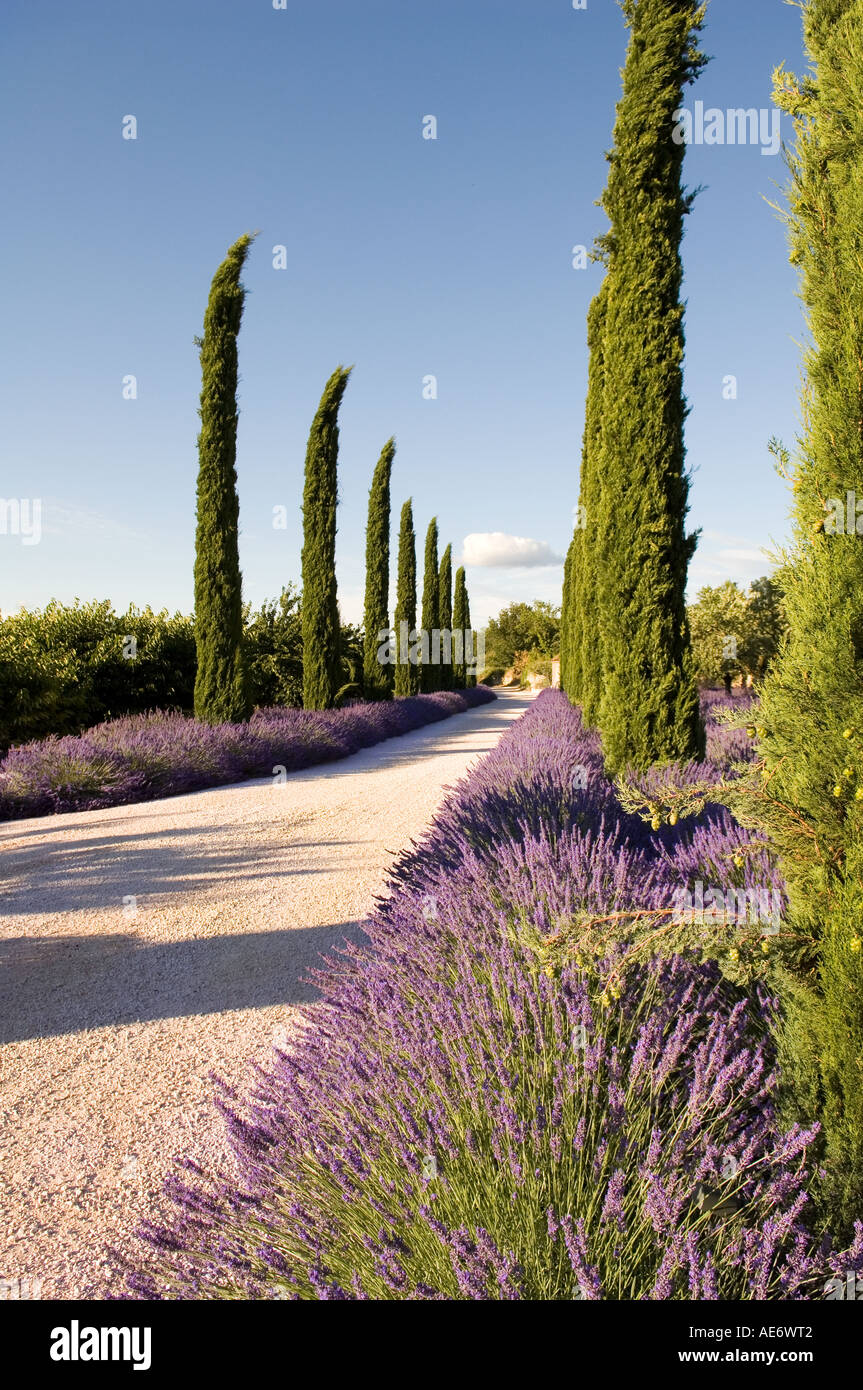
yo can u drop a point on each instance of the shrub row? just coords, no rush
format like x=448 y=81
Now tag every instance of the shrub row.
x=157 y=755
x=69 y=666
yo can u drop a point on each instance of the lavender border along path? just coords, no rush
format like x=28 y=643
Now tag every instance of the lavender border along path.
x=142 y=946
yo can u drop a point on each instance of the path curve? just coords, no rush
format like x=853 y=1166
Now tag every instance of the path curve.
x=142 y=946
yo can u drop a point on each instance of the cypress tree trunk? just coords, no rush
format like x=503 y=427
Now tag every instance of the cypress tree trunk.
x=429 y=673
x=321 y=627
x=407 y=676
x=649 y=710
x=460 y=623
x=585 y=635
x=445 y=614
x=378 y=679
x=220 y=683
x=811 y=718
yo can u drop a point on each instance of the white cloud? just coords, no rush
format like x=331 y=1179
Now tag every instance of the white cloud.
x=740 y=561
x=495 y=549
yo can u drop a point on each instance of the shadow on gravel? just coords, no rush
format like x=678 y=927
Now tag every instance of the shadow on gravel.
x=64 y=984
x=101 y=873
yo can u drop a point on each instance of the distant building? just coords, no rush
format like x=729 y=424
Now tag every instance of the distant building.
x=555 y=672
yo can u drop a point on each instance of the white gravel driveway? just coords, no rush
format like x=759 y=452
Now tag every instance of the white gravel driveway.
x=143 y=946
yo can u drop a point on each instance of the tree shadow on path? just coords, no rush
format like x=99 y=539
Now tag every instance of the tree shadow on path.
x=64 y=984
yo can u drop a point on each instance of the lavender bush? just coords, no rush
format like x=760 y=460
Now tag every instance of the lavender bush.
x=156 y=755
x=468 y=1115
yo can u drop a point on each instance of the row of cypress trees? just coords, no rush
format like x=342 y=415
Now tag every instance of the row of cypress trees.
x=625 y=651
x=444 y=608
x=221 y=689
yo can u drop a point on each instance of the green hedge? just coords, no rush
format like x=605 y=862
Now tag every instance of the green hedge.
x=67 y=667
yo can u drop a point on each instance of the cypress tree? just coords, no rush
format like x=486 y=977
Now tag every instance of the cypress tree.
x=429 y=673
x=220 y=682
x=584 y=636
x=406 y=673
x=810 y=796
x=649 y=709
x=460 y=623
x=566 y=618
x=471 y=676
x=378 y=679
x=445 y=613
x=321 y=626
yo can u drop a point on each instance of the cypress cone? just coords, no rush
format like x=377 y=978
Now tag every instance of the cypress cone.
x=220 y=682
x=321 y=625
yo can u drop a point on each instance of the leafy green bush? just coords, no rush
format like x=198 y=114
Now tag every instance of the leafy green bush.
x=522 y=627
x=68 y=667
x=274 y=651
x=65 y=667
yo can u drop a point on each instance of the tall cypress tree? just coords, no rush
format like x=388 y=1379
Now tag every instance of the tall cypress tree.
x=378 y=679
x=407 y=676
x=220 y=684
x=471 y=675
x=566 y=619
x=429 y=673
x=445 y=614
x=810 y=798
x=321 y=627
x=461 y=623
x=584 y=638
x=649 y=709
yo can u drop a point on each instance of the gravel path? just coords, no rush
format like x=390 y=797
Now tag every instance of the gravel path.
x=142 y=946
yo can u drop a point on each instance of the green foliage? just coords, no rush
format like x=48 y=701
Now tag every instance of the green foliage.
x=378 y=679
x=522 y=627
x=566 y=617
x=584 y=649
x=321 y=659
x=64 y=668
x=351 y=655
x=735 y=633
x=648 y=709
x=810 y=797
x=274 y=651
x=768 y=624
x=470 y=676
x=429 y=673
x=406 y=673
x=220 y=683
x=536 y=665
x=460 y=623
x=445 y=614
x=348 y=694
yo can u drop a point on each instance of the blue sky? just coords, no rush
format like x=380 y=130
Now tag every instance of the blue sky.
x=406 y=257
